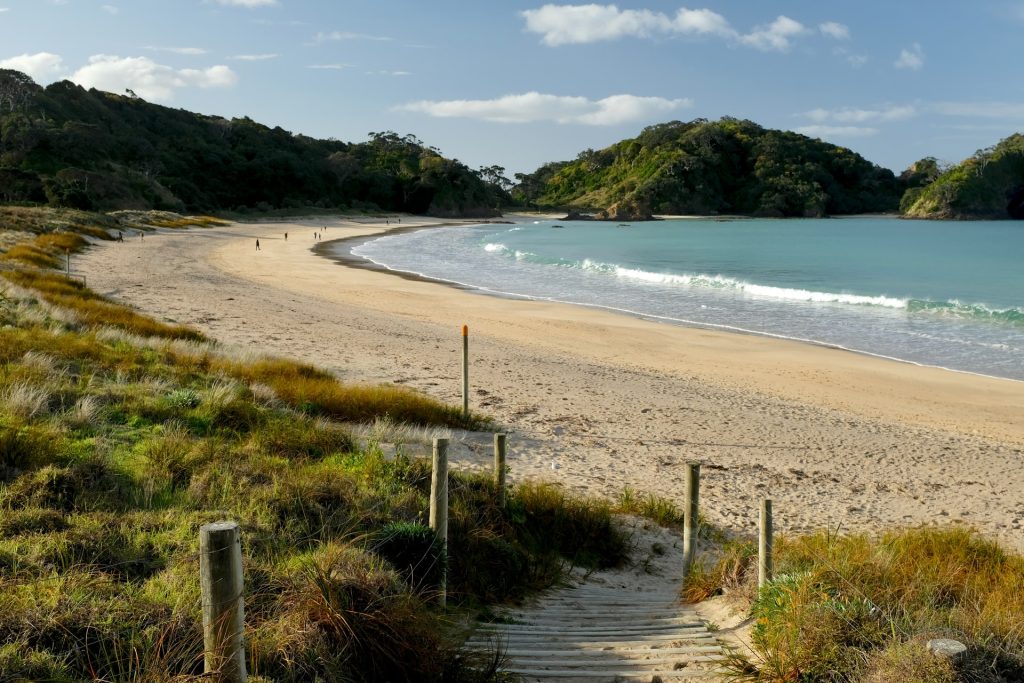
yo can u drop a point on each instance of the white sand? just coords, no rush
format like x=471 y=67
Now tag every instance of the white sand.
x=834 y=438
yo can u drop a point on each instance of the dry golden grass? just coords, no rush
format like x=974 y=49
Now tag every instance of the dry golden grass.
x=188 y=222
x=318 y=393
x=30 y=254
x=838 y=603
x=93 y=310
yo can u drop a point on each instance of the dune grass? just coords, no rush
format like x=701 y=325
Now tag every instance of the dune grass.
x=120 y=436
x=860 y=607
x=92 y=309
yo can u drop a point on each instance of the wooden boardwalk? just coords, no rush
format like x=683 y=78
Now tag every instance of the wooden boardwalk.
x=603 y=633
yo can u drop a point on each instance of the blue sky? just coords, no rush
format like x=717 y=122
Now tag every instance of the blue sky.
x=522 y=83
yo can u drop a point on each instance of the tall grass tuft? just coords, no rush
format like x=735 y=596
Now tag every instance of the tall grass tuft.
x=93 y=309
x=316 y=392
x=846 y=607
x=24 y=400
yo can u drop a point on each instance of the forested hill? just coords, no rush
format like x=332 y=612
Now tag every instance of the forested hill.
x=88 y=149
x=990 y=184
x=727 y=166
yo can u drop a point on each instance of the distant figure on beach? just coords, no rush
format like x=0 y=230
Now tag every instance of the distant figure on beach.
x=257 y=245
x=142 y=235
x=387 y=222
x=314 y=237
x=286 y=237
x=399 y=221
x=120 y=236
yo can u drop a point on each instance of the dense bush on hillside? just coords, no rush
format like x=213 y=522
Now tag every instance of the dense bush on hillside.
x=67 y=146
x=990 y=184
x=715 y=167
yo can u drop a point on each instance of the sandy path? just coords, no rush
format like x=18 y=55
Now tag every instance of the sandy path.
x=833 y=437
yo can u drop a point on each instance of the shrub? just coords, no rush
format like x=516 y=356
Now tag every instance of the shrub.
x=415 y=551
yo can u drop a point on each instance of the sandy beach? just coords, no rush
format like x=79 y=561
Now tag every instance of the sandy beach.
x=599 y=401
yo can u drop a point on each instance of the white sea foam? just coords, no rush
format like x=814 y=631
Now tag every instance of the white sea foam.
x=767 y=291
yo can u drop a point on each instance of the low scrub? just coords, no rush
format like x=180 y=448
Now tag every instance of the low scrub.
x=860 y=607
x=92 y=309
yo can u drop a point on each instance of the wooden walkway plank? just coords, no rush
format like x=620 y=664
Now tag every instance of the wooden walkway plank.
x=602 y=633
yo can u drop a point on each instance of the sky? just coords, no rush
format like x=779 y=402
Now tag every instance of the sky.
x=520 y=84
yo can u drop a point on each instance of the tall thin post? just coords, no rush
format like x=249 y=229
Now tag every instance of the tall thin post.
x=439 y=502
x=67 y=258
x=465 y=369
x=499 y=466
x=764 y=544
x=220 y=579
x=692 y=510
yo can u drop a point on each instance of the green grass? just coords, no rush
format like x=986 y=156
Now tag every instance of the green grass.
x=859 y=607
x=120 y=436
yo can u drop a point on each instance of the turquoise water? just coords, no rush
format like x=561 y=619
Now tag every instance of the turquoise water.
x=936 y=293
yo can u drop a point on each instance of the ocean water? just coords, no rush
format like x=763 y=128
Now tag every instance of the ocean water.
x=946 y=294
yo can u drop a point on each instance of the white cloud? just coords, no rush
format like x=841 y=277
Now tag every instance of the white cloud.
x=850 y=115
x=109 y=9
x=910 y=59
x=702 y=21
x=5 y=9
x=774 y=36
x=853 y=59
x=247 y=3
x=346 y=35
x=569 y=24
x=178 y=50
x=985 y=110
x=837 y=131
x=333 y=67
x=255 y=58
x=833 y=29
x=146 y=78
x=41 y=66
x=385 y=72
x=534 y=106
x=579 y=24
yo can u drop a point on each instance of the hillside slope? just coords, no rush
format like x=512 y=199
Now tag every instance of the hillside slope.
x=727 y=166
x=67 y=146
x=989 y=185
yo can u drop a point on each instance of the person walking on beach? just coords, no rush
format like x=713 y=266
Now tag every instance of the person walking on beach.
x=120 y=236
x=286 y=237
x=257 y=245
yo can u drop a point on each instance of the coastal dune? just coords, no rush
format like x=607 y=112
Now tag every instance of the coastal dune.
x=599 y=401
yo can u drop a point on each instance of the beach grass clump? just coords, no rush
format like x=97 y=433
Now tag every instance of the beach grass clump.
x=650 y=506
x=47 y=250
x=92 y=309
x=858 y=607
x=732 y=571
x=316 y=392
x=30 y=254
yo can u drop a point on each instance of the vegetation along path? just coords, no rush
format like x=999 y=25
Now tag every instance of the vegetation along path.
x=619 y=625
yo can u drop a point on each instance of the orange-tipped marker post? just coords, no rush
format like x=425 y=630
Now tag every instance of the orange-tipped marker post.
x=465 y=369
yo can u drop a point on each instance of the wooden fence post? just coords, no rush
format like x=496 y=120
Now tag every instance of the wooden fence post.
x=220 y=579
x=764 y=544
x=691 y=511
x=499 y=466
x=67 y=257
x=439 y=503
x=465 y=369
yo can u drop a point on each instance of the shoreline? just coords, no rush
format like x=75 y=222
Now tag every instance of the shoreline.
x=351 y=260
x=598 y=401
